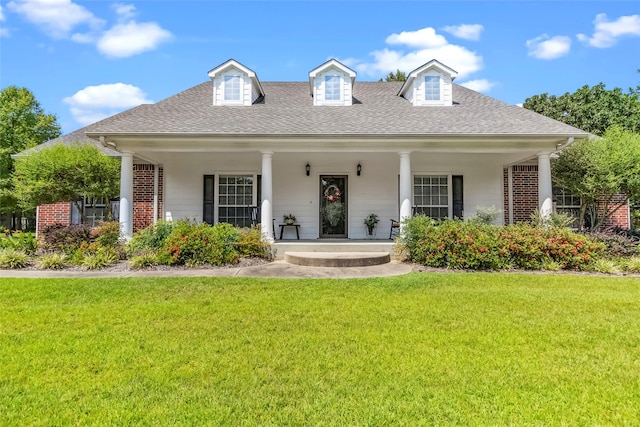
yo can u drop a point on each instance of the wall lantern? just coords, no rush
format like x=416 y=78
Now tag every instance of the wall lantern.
x=359 y=169
x=308 y=168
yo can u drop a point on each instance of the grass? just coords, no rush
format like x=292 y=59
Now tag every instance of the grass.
x=421 y=349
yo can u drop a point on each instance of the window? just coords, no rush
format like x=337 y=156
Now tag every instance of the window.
x=94 y=210
x=567 y=203
x=431 y=195
x=332 y=88
x=232 y=88
x=432 y=88
x=235 y=196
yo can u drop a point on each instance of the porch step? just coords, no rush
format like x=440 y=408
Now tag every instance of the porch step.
x=280 y=247
x=337 y=259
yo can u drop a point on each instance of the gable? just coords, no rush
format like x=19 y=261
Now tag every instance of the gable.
x=235 y=85
x=332 y=84
x=429 y=85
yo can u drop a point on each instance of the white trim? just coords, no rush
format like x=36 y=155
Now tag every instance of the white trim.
x=156 y=179
x=510 y=192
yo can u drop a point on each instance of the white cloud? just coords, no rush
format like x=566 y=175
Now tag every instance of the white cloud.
x=607 y=32
x=95 y=103
x=465 y=31
x=425 y=37
x=480 y=85
x=424 y=45
x=3 y=31
x=56 y=17
x=1 y=14
x=545 y=47
x=124 y=40
x=125 y=11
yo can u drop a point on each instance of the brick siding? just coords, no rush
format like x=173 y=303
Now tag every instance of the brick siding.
x=55 y=213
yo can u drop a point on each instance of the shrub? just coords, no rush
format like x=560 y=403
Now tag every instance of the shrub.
x=61 y=238
x=148 y=239
x=486 y=214
x=145 y=260
x=478 y=246
x=632 y=265
x=103 y=257
x=52 y=261
x=19 y=241
x=251 y=244
x=605 y=266
x=107 y=233
x=202 y=243
x=617 y=245
x=10 y=258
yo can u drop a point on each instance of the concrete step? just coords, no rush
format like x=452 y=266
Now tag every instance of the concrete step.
x=337 y=259
x=282 y=246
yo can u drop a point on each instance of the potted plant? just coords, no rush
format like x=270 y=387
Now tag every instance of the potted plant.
x=289 y=218
x=371 y=221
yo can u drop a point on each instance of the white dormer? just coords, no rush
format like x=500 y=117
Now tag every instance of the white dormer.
x=430 y=84
x=332 y=84
x=235 y=84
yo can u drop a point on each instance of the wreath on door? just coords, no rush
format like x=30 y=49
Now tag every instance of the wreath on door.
x=332 y=193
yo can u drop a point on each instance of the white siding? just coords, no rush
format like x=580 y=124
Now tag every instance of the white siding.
x=375 y=191
x=249 y=92
x=416 y=94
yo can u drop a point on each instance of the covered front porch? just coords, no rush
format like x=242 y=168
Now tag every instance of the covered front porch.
x=330 y=189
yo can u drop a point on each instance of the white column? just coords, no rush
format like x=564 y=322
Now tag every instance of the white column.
x=266 y=213
x=405 y=186
x=545 y=190
x=126 y=195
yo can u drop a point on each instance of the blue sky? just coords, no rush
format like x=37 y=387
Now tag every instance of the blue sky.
x=85 y=60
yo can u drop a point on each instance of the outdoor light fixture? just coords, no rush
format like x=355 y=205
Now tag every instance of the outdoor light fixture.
x=308 y=168
x=359 y=169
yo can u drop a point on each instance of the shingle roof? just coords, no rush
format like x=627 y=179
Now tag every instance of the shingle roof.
x=287 y=110
x=72 y=138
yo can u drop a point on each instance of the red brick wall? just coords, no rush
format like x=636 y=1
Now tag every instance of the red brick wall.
x=60 y=213
x=143 y=195
x=525 y=192
x=55 y=213
x=620 y=218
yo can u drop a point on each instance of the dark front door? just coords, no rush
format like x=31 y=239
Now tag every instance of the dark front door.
x=333 y=206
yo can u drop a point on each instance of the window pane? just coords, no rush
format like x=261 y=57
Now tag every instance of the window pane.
x=431 y=195
x=232 y=88
x=432 y=88
x=332 y=88
x=233 y=207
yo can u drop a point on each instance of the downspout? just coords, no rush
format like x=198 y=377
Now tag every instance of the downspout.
x=510 y=192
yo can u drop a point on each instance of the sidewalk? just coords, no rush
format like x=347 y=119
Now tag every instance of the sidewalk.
x=279 y=269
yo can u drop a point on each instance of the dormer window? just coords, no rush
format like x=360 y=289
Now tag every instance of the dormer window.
x=331 y=84
x=232 y=88
x=429 y=85
x=432 y=88
x=234 y=84
x=332 y=88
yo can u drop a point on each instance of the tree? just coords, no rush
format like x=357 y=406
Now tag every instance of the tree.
x=398 y=76
x=65 y=172
x=592 y=109
x=599 y=170
x=23 y=124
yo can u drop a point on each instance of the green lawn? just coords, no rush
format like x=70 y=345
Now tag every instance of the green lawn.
x=421 y=349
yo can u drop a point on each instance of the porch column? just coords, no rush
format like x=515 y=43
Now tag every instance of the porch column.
x=545 y=190
x=405 y=186
x=266 y=213
x=126 y=195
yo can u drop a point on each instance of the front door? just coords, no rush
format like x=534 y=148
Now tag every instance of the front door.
x=333 y=206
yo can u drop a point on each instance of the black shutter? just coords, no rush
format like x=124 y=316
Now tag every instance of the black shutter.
x=208 y=199
x=458 y=196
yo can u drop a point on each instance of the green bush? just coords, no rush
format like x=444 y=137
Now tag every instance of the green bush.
x=107 y=233
x=52 y=261
x=617 y=245
x=145 y=260
x=251 y=244
x=632 y=265
x=474 y=245
x=19 y=241
x=102 y=258
x=10 y=258
x=148 y=239
x=191 y=244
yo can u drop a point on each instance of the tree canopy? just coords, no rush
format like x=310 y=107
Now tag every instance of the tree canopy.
x=398 y=76
x=23 y=124
x=593 y=109
x=64 y=173
x=600 y=170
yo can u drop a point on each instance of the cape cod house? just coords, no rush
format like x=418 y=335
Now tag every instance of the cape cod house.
x=329 y=150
